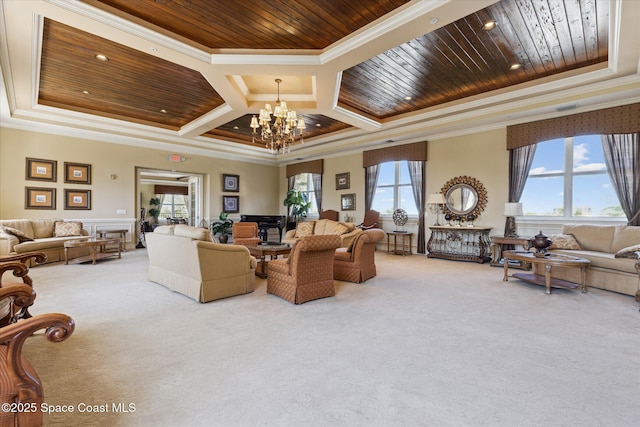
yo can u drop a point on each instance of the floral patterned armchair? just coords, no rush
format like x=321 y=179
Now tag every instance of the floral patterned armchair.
x=307 y=273
x=357 y=263
x=245 y=233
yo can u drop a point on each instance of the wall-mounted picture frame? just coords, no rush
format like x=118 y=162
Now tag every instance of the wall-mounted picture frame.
x=231 y=183
x=41 y=170
x=343 y=181
x=39 y=198
x=77 y=199
x=77 y=173
x=348 y=202
x=231 y=204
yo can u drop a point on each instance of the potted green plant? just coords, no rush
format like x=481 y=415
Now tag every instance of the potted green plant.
x=154 y=212
x=297 y=205
x=222 y=227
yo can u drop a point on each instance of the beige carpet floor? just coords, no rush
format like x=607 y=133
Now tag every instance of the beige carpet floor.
x=425 y=343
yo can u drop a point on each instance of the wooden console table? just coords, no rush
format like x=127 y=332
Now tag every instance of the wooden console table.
x=460 y=243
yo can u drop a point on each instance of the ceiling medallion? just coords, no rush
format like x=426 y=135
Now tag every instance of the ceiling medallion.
x=279 y=136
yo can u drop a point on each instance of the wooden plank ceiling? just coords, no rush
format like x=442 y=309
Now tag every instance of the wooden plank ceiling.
x=456 y=61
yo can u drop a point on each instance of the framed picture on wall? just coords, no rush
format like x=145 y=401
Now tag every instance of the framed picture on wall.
x=77 y=199
x=77 y=173
x=348 y=202
x=342 y=181
x=41 y=170
x=231 y=183
x=39 y=198
x=231 y=204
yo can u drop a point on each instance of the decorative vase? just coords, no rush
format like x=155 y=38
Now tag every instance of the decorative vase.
x=541 y=242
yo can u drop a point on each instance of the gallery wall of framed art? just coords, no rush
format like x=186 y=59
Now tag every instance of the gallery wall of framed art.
x=45 y=170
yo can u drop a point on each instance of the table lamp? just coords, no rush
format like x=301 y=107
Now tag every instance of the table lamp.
x=436 y=202
x=511 y=210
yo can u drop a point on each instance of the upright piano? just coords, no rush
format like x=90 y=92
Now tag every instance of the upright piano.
x=265 y=222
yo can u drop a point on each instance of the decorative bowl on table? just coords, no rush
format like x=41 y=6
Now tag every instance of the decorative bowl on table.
x=541 y=242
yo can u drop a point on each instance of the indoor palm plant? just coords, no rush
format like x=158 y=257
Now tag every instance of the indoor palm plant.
x=297 y=205
x=222 y=227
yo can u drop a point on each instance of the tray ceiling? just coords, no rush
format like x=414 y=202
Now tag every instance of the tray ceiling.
x=361 y=72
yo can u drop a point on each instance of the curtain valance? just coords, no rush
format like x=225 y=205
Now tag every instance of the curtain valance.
x=615 y=120
x=171 y=189
x=313 y=166
x=412 y=152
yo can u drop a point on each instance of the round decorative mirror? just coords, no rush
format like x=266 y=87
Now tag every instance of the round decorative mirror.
x=464 y=196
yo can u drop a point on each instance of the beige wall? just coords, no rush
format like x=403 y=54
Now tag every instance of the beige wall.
x=482 y=156
x=262 y=188
x=258 y=183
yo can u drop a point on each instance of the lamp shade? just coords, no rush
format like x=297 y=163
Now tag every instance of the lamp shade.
x=435 y=199
x=513 y=209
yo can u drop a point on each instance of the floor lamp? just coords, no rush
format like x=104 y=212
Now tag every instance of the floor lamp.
x=436 y=202
x=511 y=210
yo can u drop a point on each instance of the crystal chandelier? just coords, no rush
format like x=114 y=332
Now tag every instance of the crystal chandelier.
x=279 y=136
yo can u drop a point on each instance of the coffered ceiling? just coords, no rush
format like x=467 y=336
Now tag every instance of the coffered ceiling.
x=187 y=76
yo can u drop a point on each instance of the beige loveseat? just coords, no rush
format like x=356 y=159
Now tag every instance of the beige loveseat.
x=346 y=230
x=185 y=260
x=600 y=244
x=18 y=236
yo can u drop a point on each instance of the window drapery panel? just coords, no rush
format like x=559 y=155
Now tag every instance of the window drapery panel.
x=622 y=156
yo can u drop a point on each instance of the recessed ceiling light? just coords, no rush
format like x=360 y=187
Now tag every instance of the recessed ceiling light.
x=433 y=21
x=489 y=25
x=163 y=111
x=318 y=125
x=86 y=92
x=236 y=128
x=407 y=98
x=514 y=67
x=101 y=57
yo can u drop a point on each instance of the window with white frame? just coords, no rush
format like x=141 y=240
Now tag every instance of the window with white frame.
x=174 y=206
x=394 y=189
x=568 y=178
x=304 y=184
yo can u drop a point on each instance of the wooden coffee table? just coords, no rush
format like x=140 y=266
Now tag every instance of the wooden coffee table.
x=96 y=247
x=261 y=251
x=549 y=261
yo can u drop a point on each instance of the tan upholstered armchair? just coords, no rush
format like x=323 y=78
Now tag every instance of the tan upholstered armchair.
x=19 y=382
x=357 y=263
x=245 y=233
x=308 y=272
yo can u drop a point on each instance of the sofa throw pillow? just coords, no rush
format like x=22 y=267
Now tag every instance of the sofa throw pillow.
x=19 y=234
x=628 y=252
x=339 y=229
x=305 y=229
x=65 y=229
x=564 y=241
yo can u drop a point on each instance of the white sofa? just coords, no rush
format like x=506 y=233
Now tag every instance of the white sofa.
x=186 y=260
x=346 y=230
x=18 y=236
x=600 y=244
